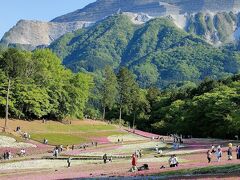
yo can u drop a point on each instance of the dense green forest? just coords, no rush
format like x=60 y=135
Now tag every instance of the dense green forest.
x=40 y=86
x=210 y=109
x=157 y=52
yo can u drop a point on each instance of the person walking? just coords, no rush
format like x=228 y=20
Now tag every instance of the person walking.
x=209 y=156
x=229 y=151
x=219 y=154
x=105 y=158
x=69 y=162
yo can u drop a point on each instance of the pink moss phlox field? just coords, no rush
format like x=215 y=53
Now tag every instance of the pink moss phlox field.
x=101 y=140
x=142 y=133
x=40 y=148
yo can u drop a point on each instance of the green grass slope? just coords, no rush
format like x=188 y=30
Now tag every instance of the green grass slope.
x=66 y=134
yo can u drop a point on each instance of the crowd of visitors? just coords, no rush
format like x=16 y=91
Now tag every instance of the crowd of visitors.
x=217 y=151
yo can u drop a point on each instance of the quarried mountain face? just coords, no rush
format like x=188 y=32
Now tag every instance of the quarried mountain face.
x=37 y=33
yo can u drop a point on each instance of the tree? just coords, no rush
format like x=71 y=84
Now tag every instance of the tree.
x=109 y=90
x=127 y=88
x=141 y=105
x=13 y=63
x=79 y=90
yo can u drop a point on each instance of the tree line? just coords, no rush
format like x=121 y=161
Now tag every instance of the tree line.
x=209 y=109
x=35 y=85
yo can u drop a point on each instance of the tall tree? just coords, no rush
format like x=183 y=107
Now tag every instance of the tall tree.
x=109 y=90
x=141 y=105
x=128 y=88
x=13 y=63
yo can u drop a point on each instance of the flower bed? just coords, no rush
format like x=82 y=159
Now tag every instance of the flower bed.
x=101 y=140
x=9 y=142
x=143 y=133
x=125 y=149
x=125 y=138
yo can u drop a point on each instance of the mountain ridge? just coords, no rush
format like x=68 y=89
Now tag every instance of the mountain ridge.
x=102 y=8
x=157 y=52
x=185 y=14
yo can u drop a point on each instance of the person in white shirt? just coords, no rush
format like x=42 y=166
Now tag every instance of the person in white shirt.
x=23 y=152
x=173 y=161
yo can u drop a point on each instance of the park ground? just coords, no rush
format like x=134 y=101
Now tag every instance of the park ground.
x=40 y=164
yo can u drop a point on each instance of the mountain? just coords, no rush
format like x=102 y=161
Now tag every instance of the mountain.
x=158 y=52
x=215 y=20
x=103 y=8
x=30 y=34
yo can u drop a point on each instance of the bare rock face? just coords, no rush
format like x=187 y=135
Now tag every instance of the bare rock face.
x=37 y=33
x=138 y=18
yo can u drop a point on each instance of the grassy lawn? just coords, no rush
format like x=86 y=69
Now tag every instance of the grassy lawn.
x=76 y=128
x=57 y=133
x=58 y=138
x=211 y=170
x=71 y=138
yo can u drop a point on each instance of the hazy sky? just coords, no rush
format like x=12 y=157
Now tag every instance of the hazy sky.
x=44 y=10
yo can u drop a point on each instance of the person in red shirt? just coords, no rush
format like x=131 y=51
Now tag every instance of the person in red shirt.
x=134 y=162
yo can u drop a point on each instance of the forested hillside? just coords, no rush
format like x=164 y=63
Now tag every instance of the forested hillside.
x=158 y=53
